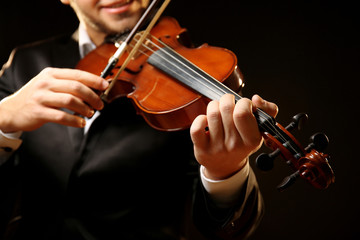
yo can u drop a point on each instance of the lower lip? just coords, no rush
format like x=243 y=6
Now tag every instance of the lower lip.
x=118 y=10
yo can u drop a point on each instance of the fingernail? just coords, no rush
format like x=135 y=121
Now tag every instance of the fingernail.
x=105 y=84
x=82 y=123
x=91 y=113
x=101 y=105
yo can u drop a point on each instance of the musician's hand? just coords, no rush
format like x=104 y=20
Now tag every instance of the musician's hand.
x=232 y=134
x=45 y=96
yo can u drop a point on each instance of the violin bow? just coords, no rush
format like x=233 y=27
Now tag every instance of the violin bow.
x=115 y=58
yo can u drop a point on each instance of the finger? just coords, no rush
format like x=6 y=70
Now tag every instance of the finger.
x=61 y=117
x=216 y=131
x=227 y=104
x=246 y=123
x=91 y=80
x=64 y=100
x=79 y=90
x=198 y=132
x=269 y=107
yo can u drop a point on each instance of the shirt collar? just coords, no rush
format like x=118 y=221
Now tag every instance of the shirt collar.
x=85 y=43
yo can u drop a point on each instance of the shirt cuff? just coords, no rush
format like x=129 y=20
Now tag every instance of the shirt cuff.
x=226 y=191
x=9 y=142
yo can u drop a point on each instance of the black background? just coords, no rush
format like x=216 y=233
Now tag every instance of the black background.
x=302 y=55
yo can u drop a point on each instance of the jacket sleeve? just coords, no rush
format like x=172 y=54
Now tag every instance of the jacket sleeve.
x=233 y=222
x=8 y=142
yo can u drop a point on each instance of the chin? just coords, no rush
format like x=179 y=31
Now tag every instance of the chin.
x=123 y=24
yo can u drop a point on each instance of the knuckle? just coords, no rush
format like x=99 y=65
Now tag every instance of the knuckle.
x=227 y=103
x=36 y=112
x=195 y=130
x=245 y=101
x=276 y=110
x=75 y=87
x=198 y=127
x=68 y=100
x=47 y=73
x=47 y=70
x=212 y=111
x=213 y=115
x=38 y=97
x=42 y=79
x=60 y=116
x=98 y=83
x=227 y=107
x=42 y=84
x=79 y=75
x=241 y=115
x=243 y=110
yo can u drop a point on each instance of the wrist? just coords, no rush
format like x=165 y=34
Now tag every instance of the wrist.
x=4 y=119
x=217 y=173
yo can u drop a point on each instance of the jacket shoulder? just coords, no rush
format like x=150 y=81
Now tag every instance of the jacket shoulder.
x=50 y=49
x=26 y=61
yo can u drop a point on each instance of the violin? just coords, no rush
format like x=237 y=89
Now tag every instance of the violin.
x=171 y=82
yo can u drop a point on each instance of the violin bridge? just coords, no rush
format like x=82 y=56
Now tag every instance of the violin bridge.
x=147 y=46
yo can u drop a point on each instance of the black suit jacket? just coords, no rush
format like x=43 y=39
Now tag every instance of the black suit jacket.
x=122 y=180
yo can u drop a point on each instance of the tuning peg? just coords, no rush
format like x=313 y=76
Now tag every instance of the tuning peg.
x=265 y=161
x=297 y=121
x=288 y=181
x=319 y=141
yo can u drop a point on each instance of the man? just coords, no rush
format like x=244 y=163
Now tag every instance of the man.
x=90 y=171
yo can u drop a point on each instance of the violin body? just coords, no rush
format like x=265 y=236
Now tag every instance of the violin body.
x=171 y=83
x=165 y=103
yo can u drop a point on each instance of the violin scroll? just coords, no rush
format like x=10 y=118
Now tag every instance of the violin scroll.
x=308 y=163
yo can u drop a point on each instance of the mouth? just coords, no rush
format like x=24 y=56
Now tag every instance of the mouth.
x=117 y=7
x=118 y=4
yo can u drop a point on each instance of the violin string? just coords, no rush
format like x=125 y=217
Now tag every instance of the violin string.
x=215 y=83
x=222 y=88
x=266 y=122
x=261 y=115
